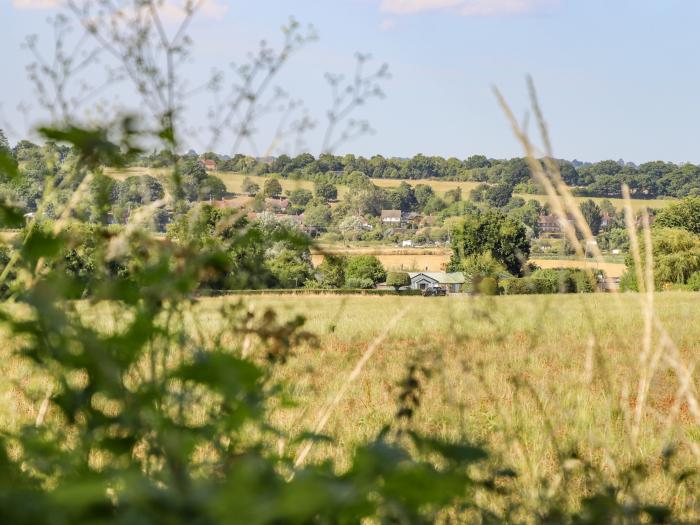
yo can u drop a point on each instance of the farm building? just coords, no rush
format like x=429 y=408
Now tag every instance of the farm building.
x=452 y=281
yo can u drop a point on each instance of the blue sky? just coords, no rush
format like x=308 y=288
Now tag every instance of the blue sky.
x=616 y=78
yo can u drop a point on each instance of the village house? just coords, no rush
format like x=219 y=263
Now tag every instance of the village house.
x=391 y=217
x=551 y=225
x=209 y=164
x=451 y=281
x=397 y=218
x=411 y=218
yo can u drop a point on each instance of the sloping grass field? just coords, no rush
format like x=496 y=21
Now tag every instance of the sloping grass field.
x=234 y=181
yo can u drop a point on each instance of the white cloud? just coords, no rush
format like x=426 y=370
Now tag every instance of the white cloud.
x=407 y=7
x=35 y=4
x=172 y=9
x=468 y=7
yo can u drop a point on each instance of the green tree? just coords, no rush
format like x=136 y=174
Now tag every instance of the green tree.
x=272 y=187
x=212 y=188
x=423 y=193
x=249 y=187
x=326 y=190
x=684 y=214
x=503 y=237
x=4 y=143
x=290 y=267
x=138 y=190
x=434 y=205
x=453 y=195
x=676 y=255
x=398 y=280
x=365 y=267
x=317 y=215
x=300 y=197
x=331 y=272
x=594 y=217
x=498 y=195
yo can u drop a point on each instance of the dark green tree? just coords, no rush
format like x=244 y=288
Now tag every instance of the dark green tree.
x=594 y=217
x=300 y=197
x=326 y=190
x=492 y=231
x=365 y=267
x=498 y=195
x=249 y=187
x=272 y=187
x=684 y=214
x=331 y=272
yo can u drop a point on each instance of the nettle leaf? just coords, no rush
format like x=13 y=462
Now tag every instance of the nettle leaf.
x=41 y=243
x=94 y=146
x=11 y=216
x=460 y=453
x=221 y=372
x=8 y=165
x=658 y=514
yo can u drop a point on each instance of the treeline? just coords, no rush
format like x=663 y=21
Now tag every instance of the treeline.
x=601 y=179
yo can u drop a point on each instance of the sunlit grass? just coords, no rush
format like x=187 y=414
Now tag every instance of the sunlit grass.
x=578 y=353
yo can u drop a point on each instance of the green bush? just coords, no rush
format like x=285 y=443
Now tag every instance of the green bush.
x=550 y=281
x=398 y=280
x=488 y=286
x=694 y=282
x=628 y=281
x=365 y=267
x=359 y=282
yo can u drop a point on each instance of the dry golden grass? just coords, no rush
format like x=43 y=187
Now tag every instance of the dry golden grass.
x=393 y=259
x=578 y=353
x=436 y=259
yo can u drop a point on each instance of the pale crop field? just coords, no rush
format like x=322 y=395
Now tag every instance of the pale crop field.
x=436 y=260
x=522 y=374
x=393 y=259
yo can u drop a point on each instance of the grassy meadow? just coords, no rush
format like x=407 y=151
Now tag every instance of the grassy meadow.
x=234 y=181
x=531 y=377
x=527 y=375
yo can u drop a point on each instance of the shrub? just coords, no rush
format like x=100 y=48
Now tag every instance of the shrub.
x=365 y=267
x=359 y=282
x=628 y=281
x=488 y=286
x=550 y=281
x=398 y=280
x=694 y=282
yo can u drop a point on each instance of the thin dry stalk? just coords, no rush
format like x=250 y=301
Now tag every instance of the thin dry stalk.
x=43 y=408
x=325 y=414
x=648 y=363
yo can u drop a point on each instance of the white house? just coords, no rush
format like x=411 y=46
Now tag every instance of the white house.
x=392 y=217
x=451 y=281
